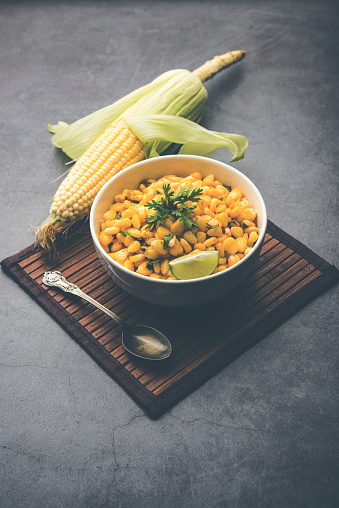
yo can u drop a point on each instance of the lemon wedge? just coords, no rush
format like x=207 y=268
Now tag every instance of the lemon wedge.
x=194 y=265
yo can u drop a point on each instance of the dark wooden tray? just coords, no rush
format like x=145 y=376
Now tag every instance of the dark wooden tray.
x=286 y=277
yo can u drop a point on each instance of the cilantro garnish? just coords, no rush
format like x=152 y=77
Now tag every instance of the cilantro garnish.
x=127 y=233
x=173 y=205
x=228 y=187
x=118 y=215
x=145 y=182
x=151 y=262
x=167 y=239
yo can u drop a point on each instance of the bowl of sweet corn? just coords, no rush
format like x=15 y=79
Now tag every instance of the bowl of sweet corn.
x=152 y=215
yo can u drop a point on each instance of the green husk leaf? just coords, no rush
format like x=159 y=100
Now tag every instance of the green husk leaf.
x=193 y=138
x=176 y=92
x=57 y=127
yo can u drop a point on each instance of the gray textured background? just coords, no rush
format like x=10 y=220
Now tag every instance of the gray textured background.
x=261 y=433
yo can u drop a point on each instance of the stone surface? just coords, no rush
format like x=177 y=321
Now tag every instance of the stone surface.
x=261 y=433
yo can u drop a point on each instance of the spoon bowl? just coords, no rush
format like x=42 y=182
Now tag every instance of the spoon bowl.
x=146 y=342
x=139 y=340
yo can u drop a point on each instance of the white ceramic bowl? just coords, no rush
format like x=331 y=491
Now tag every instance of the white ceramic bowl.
x=180 y=293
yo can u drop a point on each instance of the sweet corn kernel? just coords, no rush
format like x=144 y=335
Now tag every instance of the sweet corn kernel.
x=113 y=230
x=242 y=244
x=190 y=237
x=164 y=267
x=201 y=236
x=237 y=231
x=186 y=246
x=129 y=265
x=143 y=270
x=158 y=245
x=220 y=248
x=136 y=221
x=124 y=223
x=134 y=246
x=177 y=227
x=137 y=257
x=177 y=250
x=220 y=268
x=151 y=253
x=230 y=245
x=104 y=238
x=252 y=238
x=232 y=260
x=199 y=246
x=121 y=255
x=162 y=232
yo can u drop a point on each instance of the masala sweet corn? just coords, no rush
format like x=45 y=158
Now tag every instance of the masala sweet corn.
x=218 y=219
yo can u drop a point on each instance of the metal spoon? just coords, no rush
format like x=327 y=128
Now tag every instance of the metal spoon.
x=142 y=341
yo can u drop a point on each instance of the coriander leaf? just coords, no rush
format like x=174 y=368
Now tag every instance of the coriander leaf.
x=211 y=227
x=151 y=262
x=167 y=239
x=228 y=187
x=173 y=205
x=127 y=233
x=145 y=182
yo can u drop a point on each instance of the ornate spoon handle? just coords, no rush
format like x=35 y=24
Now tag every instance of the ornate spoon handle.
x=56 y=279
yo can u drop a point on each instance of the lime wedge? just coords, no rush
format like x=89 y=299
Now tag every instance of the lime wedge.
x=194 y=265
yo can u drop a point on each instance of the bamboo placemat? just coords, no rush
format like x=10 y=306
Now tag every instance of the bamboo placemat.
x=205 y=339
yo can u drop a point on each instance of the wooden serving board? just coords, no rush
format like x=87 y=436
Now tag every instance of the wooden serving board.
x=205 y=339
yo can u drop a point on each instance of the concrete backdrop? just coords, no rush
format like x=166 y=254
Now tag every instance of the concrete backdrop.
x=264 y=431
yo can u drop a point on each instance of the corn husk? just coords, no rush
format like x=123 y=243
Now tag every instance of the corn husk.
x=176 y=92
x=156 y=130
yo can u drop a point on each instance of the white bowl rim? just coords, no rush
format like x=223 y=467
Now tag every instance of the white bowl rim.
x=184 y=281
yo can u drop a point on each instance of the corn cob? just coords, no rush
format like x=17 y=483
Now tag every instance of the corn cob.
x=115 y=149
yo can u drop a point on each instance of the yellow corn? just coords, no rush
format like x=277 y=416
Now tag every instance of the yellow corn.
x=104 y=238
x=124 y=223
x=162 y=232
x=129 y=240
x=134 y=246
x=143 y=270
x=201 y=236
x=129 y=265
x=151 y=253
x=230 y=245
x=199 y=246
x=177 y=227
x=190 y=237
x=253 y=237
x=211 y=241
x=237 y=231
x=186 y=246
x=116 y=149
x=137 y=258
x=233 y=259
x=164 y=267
